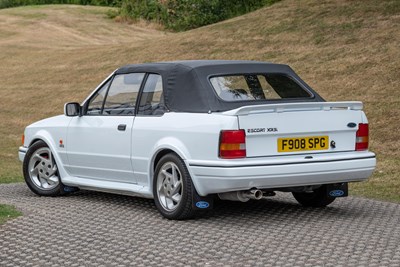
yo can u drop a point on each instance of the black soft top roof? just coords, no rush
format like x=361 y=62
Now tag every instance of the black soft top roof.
x=187 y=87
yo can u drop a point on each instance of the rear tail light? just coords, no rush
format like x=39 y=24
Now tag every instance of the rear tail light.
x=23 y=139
x=362 y=137
x=232 y=144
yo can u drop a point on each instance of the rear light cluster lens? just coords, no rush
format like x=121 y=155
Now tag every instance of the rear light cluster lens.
x=362 y=137
x=232 y=144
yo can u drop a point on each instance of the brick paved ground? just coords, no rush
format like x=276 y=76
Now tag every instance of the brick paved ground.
x=96 y=229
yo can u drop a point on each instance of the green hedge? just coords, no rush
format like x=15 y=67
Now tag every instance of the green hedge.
x=14 y=3
x=182 y=15
x=178 y=15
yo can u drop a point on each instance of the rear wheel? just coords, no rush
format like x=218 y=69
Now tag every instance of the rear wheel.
x=41 y=172
x=173 y=188
x=316 y=198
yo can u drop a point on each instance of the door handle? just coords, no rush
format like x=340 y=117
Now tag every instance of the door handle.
x=122 y=127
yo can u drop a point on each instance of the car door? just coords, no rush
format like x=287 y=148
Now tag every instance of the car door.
x=99 y=142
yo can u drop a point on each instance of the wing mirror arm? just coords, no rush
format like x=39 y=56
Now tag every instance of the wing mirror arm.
x=72 y=109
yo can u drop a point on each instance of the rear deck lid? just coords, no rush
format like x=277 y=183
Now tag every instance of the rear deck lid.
x=299 y=128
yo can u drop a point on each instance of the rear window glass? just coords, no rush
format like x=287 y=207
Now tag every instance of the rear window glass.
x=257 y=87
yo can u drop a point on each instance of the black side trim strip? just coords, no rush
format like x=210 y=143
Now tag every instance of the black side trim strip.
x=280 y=164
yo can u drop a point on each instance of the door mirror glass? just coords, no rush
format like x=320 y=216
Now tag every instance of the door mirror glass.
x=72 y=109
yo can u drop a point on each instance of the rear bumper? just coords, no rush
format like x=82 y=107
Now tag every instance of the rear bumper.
x=209 y=177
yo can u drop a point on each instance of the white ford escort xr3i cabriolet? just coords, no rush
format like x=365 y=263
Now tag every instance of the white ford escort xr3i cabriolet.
x=187 y=132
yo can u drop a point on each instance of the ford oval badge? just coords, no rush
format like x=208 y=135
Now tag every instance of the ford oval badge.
x=336 y=193
x=202 y=204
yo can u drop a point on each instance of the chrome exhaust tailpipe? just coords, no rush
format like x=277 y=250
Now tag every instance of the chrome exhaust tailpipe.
x=254 y=194
x=242 y=196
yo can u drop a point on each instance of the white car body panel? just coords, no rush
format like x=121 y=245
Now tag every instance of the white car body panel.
x=98 y=150
x=317 y=121
x=191 y=136
x=291 y=107
x=270 y=173
x=50 y=131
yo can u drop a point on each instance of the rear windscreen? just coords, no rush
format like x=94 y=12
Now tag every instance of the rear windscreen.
x=241 y=87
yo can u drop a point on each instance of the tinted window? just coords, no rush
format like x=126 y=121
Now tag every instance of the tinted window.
x=152 y=99
x=122 y=94
x=257 y=87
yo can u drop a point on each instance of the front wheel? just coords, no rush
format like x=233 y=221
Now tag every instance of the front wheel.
x=316 y=198
x=41 y=172
x=173 y=188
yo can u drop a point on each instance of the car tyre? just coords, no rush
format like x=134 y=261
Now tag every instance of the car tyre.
x=316 y=198
x=41 y=171
x=173 y=188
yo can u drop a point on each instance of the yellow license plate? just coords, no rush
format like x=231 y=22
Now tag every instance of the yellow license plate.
x=303 y=143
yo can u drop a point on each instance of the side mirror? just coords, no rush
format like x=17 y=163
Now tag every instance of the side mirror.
x=72 y=109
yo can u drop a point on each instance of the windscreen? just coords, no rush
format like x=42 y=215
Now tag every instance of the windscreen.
x=244 y=87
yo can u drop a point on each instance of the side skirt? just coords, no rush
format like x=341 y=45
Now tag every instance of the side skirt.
x=108 y=187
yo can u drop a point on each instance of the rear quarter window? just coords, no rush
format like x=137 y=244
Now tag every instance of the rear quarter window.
x=245 y=87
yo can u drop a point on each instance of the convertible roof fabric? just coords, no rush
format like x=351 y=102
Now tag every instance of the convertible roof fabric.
x=187 y=87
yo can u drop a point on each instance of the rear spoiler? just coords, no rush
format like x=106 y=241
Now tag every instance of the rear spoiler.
x=292 y=107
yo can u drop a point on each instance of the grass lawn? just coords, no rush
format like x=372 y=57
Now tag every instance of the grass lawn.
x=8 y=212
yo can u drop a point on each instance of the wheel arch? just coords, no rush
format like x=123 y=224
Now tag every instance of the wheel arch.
x=161 y=154
x=36 y=140
x=45 y=136
x=164 y=147
x=157 y=157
